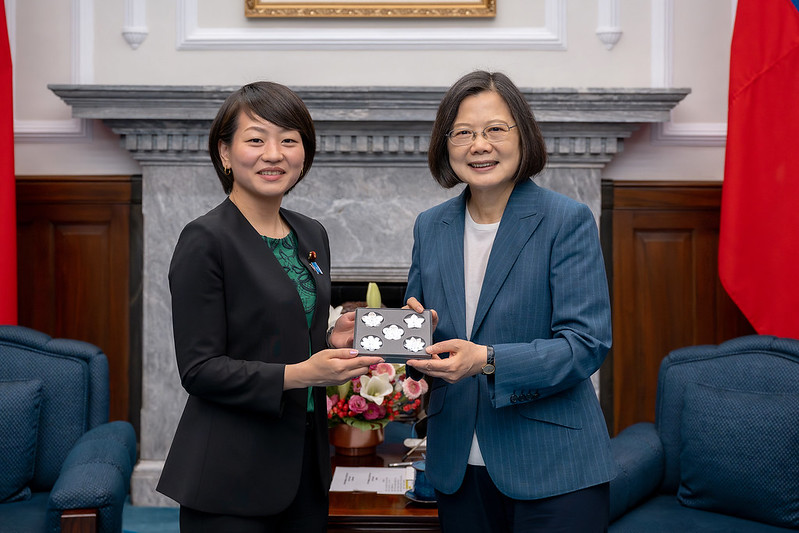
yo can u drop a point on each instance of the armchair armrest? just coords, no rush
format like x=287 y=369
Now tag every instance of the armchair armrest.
x=640 y=460
x=95 y=475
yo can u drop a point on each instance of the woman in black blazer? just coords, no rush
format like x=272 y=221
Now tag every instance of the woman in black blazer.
x=250 y=284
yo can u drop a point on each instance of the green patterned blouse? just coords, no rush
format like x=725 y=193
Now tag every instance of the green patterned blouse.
x=288 y=256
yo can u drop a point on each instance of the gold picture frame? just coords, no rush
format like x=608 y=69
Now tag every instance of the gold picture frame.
x=354 y=8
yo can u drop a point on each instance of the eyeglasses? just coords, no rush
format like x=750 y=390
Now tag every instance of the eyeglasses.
x=492 y=133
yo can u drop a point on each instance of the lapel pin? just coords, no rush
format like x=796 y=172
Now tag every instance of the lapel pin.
x=312 y=260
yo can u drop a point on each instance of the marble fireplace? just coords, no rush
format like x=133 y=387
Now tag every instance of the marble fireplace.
x=368 y=182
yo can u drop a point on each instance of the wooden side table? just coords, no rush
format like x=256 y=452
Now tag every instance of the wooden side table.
x=371 y=512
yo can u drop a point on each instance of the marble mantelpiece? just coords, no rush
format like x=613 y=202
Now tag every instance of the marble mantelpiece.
x=368 y=182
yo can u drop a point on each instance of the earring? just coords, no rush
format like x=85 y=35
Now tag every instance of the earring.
x=228 y=171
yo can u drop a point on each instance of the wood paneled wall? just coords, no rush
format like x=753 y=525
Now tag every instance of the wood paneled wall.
x=80 y=266
x=77 y=276
x=660 y=241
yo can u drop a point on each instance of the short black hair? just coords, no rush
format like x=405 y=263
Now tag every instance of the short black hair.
x=533 y=149
x=270 y=101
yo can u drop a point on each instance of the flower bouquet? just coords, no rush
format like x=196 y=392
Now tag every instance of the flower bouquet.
x=373 y=400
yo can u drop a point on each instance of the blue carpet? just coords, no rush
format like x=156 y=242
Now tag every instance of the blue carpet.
x=150 y=519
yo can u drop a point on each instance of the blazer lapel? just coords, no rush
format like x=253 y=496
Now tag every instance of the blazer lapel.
x=307 y=242
x=450 y=260
x=518 y=223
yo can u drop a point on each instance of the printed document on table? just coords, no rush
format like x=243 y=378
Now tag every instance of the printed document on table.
x=366 y=479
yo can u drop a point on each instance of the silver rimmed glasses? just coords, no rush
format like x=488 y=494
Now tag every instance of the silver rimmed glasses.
x=492 y=133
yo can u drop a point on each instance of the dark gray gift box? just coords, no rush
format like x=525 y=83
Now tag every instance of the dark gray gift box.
x=395 y=334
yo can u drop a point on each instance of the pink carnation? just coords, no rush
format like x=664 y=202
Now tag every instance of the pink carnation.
x=412 y=388
x=331 y=401
x=357 y=404
x=423 y=382
x=373 y=412
x=356 y=385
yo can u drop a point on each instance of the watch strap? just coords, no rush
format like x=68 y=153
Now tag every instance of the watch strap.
x=489 y=367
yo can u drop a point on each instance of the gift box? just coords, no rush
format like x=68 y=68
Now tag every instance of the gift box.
x=395 y=334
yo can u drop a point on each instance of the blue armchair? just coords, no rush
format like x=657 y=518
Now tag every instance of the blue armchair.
x=723 y=453
x=62 y=464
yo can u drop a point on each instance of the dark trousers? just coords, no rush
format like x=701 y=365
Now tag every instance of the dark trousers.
x=306 y=514
x=479 y=507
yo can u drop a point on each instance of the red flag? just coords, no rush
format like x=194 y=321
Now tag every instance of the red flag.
x=759 y=234
x=8 y=211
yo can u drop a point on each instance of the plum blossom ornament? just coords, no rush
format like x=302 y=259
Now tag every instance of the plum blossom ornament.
x=414 y=344
x=414 y=321
x=372 y=319
x=393 y=332
x=371 y=343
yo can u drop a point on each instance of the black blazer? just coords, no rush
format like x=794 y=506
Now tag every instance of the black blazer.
x=237 y=321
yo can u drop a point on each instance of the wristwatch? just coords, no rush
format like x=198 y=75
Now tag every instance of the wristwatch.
x=489 y=367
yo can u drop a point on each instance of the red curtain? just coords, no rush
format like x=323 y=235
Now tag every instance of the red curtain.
x=759 y=236
x=8 y=211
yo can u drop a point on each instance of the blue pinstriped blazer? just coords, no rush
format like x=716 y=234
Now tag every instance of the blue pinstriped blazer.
x=544 y=306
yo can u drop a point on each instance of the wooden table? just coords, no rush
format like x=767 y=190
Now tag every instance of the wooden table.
x=366 y=511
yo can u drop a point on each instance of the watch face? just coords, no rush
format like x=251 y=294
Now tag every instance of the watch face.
x=488 y=369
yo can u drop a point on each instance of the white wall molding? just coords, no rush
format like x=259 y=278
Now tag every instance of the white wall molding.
x=608 y=26
x=662 y=76
x=689 y=134
x=53 y=131
x=135 y=29
x=190 y=36
x=81 y=72
x=662 y=34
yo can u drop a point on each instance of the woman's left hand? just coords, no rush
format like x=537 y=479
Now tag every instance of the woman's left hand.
x=343 y=331
x=465 y=359
x=414 y=304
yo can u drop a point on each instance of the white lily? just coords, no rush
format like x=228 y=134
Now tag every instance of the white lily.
x=376 y=388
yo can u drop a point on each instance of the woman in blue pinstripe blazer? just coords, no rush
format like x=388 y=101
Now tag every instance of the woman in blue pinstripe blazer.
x=516 y=438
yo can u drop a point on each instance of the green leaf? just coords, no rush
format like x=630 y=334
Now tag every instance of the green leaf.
x=366 y=426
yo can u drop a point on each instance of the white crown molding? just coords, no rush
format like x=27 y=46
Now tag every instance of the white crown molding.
x=135 y=29
x=552 y=36
x=82 y=72
x=608 y=27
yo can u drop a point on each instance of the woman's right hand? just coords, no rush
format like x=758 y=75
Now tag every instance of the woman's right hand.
x=328 y=367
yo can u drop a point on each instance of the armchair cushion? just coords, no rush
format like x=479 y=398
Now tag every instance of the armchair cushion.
x=19 y=426
x=738 y=453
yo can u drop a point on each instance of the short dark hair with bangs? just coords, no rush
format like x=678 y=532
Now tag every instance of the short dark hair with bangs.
x=270 y=101
x=533 y=149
